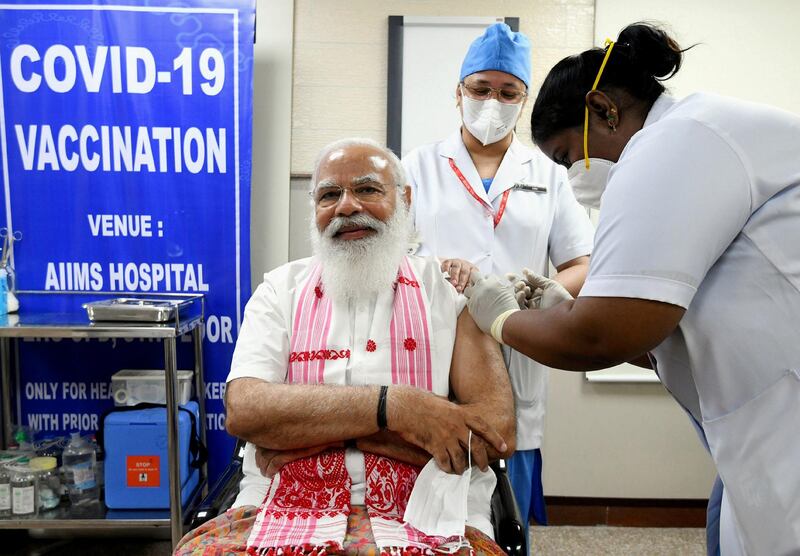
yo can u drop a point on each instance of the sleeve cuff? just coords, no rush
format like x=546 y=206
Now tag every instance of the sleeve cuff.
x=640 y=287
x=564 y=255
x=252 y=372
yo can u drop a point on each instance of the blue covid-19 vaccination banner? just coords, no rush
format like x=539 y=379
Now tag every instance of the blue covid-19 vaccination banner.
x=125 y=130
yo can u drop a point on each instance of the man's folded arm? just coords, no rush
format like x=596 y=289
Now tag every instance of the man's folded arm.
x=293 y=416
x=296 y=416
x=391 y=445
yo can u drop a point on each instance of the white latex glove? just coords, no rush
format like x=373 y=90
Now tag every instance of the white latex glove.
x=546 y=292
x=490 y=302
x=522 y=291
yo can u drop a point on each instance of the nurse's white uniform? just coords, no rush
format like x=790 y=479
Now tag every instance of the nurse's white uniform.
x=540 y=219
x=703 y=211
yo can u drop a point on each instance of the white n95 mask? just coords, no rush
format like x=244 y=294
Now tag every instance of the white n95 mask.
x=589 y=185
x=489 y=120
x=438 y=502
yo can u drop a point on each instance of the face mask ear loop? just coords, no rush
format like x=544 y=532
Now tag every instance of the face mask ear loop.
x=469 y=450
x=610 y=47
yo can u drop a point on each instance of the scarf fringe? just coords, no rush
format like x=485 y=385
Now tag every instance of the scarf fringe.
x=406 y=551
x=296 y=550
x=449 y=547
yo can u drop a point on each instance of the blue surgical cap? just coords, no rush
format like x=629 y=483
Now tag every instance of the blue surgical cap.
x=499 y=49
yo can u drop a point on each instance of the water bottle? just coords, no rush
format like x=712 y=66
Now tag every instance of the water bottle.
x=81 y=471
x=3 y=291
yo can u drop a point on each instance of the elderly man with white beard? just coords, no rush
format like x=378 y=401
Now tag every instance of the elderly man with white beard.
x=353 y=368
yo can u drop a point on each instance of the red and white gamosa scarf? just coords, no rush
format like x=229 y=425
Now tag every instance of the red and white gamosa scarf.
x=307 y=512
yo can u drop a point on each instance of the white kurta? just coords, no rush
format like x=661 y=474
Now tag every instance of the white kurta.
x=537 y=224
x=262 y=351
x=703 y=211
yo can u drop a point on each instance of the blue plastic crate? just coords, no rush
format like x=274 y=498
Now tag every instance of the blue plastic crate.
x=136 y=466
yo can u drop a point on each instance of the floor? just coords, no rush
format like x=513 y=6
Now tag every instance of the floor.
x=602 y=541
x=547 y=541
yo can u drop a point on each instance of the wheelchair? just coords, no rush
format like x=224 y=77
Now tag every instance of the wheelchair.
x=509 y=532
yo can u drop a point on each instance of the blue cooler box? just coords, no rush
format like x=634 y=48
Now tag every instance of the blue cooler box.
x=137 y=466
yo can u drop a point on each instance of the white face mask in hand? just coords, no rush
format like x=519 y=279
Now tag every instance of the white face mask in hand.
x=588 y=185
x=489 y=120
x=438 y=502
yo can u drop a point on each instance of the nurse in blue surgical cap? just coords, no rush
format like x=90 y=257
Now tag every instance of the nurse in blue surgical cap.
x=484 y=200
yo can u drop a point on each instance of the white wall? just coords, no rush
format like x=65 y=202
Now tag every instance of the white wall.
x=272 y=133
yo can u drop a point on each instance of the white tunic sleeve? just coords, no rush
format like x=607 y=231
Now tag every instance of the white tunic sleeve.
x=677 y=198
x=571 y=234
x=263 y=345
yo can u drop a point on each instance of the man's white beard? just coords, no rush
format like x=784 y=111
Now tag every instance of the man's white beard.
x=361 y=268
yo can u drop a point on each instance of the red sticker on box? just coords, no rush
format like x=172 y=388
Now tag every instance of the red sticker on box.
x=144 y=471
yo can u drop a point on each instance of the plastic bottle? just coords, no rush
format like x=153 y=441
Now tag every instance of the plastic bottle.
x=81 y=471
x=12 y=302
x=100 y=458
x=3 y=291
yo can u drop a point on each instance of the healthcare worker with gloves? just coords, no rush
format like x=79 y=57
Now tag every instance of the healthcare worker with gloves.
x=481 y=195
x=696 y=261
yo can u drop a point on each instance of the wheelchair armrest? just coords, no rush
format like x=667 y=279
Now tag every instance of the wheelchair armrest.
x=223 y=493
x=509 y=531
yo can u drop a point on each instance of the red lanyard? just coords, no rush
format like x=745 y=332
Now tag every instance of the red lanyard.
x=503 y=200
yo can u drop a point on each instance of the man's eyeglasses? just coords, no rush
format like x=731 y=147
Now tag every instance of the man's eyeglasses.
x=482 y=92
x=329 y=195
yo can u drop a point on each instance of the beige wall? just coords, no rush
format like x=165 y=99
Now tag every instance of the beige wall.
x=620 y=441
x=603 y=440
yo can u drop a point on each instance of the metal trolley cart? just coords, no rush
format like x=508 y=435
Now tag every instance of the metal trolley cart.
x=76 y=324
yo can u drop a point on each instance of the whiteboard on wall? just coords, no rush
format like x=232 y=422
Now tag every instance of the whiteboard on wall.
x=425 y=55
x=744 y=49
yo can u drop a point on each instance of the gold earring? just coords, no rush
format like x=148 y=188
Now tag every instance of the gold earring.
x=612 y=119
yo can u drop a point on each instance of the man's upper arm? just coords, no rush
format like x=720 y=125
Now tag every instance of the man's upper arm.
x=477 y=372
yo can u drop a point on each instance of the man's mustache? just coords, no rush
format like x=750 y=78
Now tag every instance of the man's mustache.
x=357 y=221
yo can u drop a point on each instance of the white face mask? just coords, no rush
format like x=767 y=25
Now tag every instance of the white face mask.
x=588 y=185
x=489 y=120
x=438 y=502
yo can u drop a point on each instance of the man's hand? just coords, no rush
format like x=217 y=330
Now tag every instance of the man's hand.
x=459 y=272
x=389 y=444
x=269 y=462
x=440 y=427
